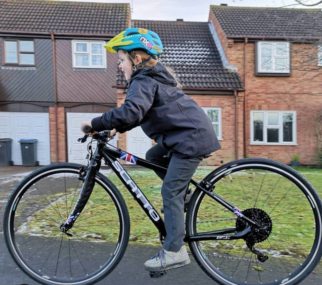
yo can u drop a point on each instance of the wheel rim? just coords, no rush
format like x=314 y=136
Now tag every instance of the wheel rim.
x=291 y=244
x=51 y=256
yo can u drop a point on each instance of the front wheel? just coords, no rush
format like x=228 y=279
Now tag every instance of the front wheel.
x=90 y=250
x=278 y=199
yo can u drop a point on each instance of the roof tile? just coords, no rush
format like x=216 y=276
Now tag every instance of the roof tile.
x=43 y=16
x=258 y=22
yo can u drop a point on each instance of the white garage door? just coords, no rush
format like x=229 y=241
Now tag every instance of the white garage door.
x=137 y=142
x=77 y=151
x=21 y=125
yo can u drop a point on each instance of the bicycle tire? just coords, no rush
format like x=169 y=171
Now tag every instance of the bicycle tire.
x=37 y=208
x=268 y=192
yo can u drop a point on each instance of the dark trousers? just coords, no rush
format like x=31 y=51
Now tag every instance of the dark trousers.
x=175 y=183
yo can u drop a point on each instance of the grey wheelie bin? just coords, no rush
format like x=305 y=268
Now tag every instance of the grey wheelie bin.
x=5 y=151
x=29 y=152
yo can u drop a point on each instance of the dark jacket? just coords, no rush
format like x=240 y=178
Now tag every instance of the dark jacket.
x=164 y=112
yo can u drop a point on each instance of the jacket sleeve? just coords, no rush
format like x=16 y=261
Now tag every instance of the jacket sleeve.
x=138 y=101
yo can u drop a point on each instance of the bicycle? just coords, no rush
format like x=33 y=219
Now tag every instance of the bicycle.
x=68 y=223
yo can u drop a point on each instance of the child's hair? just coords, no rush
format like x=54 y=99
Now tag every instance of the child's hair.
x=145 y=58
x=152 y=62
x=174 y=75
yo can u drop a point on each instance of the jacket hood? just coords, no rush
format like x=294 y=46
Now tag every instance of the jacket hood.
x=159 y=73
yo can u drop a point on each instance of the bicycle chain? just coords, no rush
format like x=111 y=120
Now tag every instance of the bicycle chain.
x=217 y=220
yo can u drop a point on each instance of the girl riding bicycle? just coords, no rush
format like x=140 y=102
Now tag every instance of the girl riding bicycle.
x=182 y=131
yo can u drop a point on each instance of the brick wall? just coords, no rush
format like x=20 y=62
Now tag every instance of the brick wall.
x=228 y=111
x=306 y=106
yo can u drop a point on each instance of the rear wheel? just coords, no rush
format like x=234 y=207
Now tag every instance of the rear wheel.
x=277 y=198
x=37 y=208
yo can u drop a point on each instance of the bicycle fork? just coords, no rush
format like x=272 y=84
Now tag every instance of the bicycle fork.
x=88 y=176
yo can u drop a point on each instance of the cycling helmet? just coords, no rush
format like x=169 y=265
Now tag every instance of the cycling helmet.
x=136 y=38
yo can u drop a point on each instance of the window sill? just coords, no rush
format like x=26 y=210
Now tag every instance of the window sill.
x=91 y=68
x=18 y=67
x=273 y=144
x=272 y=74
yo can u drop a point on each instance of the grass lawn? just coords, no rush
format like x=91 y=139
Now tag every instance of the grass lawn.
x=313 y=175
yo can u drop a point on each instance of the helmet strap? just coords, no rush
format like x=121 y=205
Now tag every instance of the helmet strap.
x=141 y=65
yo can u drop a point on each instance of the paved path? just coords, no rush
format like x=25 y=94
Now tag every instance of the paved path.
x=130 y=271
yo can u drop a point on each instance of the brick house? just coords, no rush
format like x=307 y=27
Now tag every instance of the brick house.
x=278 y=56
x=55 y=72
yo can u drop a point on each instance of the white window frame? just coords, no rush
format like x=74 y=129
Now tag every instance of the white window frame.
x=219 y=123
x=267 y=126
x=319 y=55
x=20 y=52
x=274 y=58
x=89 y=52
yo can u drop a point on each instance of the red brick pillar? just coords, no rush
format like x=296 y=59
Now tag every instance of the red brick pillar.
x=57 y=125
x=121 y=137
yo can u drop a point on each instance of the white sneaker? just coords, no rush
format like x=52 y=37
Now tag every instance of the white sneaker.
x=167 y=260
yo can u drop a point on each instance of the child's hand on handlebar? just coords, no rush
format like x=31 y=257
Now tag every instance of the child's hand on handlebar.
x=86 y=128
x=112 y=133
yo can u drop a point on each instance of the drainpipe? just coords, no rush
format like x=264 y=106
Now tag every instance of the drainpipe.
x=52 y=36
x=245 y=96
x=236 y=124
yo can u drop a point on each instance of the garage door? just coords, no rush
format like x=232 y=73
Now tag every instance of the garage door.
x=137 y=142
x=77 y=151
x=21 y=125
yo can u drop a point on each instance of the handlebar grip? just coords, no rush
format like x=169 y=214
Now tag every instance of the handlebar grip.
x=87 y=129
x=83 y=139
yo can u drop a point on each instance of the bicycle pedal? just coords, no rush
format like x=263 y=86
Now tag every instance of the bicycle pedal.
x=157 y=274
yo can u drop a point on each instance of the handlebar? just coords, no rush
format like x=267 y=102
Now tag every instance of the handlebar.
x=104 y=136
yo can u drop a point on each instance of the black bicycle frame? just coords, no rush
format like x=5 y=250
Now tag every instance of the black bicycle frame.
x=111 y=157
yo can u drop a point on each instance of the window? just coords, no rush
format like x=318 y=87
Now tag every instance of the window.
x=19 y=52
x=273 y=127
x=319 y=55
x=89 y=54
x=273 y=57
x=214 y=115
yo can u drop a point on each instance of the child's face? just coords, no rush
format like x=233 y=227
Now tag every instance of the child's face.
x=125 y=64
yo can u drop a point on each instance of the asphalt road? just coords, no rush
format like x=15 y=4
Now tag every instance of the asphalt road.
x=130 y=271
